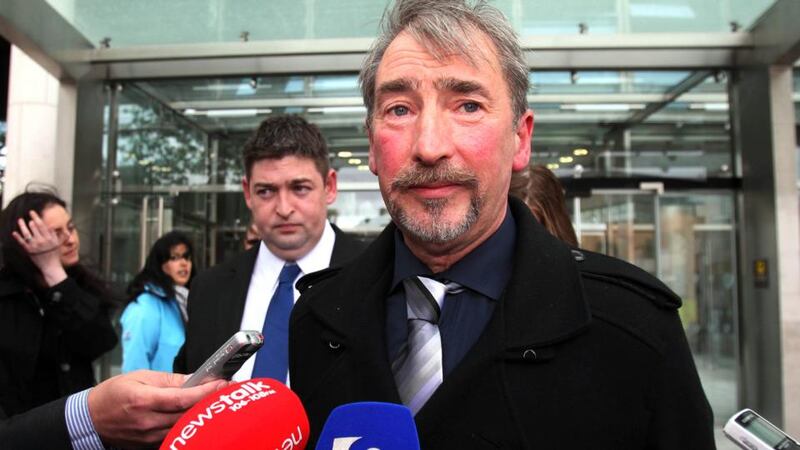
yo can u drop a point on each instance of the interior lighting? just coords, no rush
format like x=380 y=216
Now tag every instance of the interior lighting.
x=552 y=166
x=709 y=106
x=338 y=110
x=580 y=152
x=600 y=107
x=231 y=112
x=344 y=154
x=565 y=159
x=363 y=167
x=354 y=161
x=226 y=112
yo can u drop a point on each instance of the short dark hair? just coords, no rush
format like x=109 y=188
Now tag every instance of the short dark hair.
x=288 y=135
x=152 y=272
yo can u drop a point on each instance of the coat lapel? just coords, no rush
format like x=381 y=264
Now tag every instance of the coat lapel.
x=544 y=300
x=230 y=306
x=357 y=315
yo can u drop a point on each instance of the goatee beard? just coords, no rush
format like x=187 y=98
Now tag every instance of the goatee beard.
x=433 y=228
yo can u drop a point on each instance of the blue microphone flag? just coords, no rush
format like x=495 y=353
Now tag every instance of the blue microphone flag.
x=369 y=426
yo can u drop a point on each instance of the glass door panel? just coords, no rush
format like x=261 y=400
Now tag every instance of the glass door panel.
x=140 y=219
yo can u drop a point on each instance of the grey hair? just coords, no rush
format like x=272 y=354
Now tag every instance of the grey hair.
x=446 y=28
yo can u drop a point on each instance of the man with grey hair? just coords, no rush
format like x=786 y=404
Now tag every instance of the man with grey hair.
x=465 y=309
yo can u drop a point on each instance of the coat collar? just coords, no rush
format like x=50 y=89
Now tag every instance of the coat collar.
x=544 y=299
x=543 y=302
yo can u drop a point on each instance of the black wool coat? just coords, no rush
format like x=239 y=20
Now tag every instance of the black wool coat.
x=82 y=329
x=582 y=351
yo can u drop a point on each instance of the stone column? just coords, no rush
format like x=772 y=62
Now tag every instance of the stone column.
x=41 y=129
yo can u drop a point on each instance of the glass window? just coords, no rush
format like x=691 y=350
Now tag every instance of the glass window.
x=210 y=21
x=156 y=145
x=590 y=124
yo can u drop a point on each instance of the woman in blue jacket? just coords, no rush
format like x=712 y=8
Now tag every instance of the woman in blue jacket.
x=153 y=321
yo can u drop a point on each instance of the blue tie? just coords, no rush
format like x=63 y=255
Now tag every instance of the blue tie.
x=272 y=361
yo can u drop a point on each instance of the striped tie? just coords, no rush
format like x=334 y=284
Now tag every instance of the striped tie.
x=418 y=368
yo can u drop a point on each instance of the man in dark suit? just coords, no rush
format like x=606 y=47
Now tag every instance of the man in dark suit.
x=493 y=332
x=288 y=185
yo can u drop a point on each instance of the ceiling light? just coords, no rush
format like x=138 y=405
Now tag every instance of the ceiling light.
x=580 y=152
x=709 y=106
x=344 y=154
x=231 y=112
x=337 y=110
x=552 y=166
x=354 y=161
x=598 y=107
x=363 y=168
x=565 y=159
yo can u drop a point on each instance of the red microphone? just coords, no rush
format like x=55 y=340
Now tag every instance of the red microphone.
x=256 y=414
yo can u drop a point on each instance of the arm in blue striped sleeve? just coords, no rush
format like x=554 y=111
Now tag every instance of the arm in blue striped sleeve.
x=79 y=423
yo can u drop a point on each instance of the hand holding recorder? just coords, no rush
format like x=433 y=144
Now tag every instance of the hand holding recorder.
x=228 y=358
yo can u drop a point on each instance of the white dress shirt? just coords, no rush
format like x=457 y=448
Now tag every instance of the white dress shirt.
x=264 y=282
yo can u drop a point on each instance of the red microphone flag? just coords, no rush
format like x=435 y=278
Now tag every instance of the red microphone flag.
x=257 y=414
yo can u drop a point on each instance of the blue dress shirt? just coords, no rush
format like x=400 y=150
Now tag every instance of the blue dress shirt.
x=81 y=430
x=484 y=273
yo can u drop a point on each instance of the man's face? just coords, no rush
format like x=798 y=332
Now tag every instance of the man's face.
x=443 y=143
x=288 y=199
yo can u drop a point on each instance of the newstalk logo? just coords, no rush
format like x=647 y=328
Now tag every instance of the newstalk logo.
x=274 y=419
x=248 y=392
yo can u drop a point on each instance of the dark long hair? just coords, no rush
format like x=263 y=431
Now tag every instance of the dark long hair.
x=539 y=188
x=17 y=261
x=152 y=273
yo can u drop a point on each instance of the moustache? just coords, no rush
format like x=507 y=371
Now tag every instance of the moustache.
x=417 y=175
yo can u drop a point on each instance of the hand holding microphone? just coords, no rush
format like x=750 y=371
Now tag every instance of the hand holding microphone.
x=139 y=407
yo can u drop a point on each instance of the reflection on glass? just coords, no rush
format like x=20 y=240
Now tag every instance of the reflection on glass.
x=156 y=145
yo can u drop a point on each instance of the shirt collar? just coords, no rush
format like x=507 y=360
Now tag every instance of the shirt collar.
x=269 y=265
x=496 y=252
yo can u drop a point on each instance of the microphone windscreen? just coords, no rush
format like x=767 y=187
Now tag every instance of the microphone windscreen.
x=369 y=425
x=257 y=414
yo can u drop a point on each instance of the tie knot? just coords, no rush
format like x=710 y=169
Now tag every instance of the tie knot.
x=288 y=273
x=425 y=296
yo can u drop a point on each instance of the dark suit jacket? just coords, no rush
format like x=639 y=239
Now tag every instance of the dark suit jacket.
x=582 y=351
x=217 y=298
x=43 y=427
